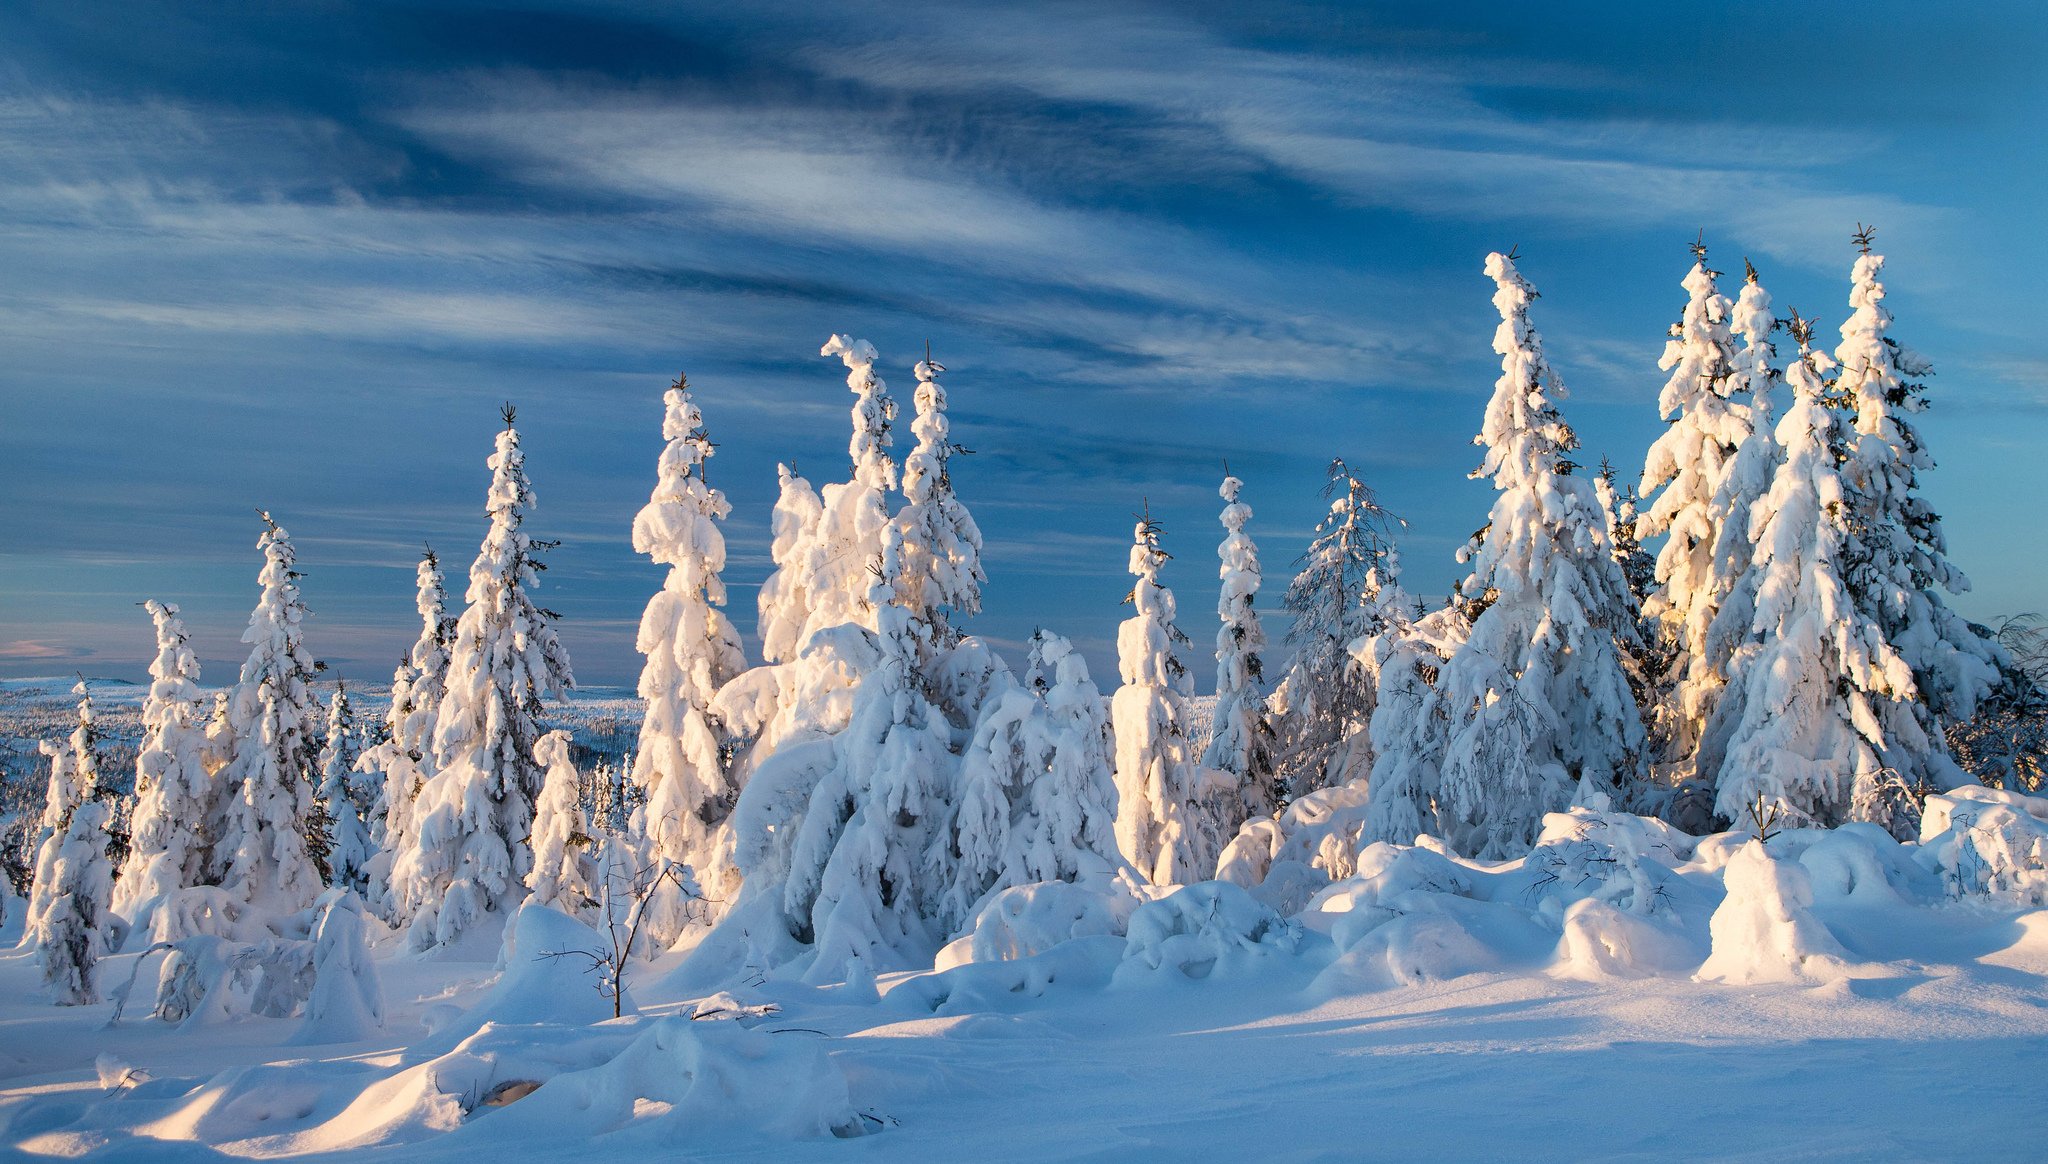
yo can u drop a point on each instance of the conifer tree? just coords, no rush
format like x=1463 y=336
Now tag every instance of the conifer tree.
x=1681 y=477
x=1898 y=565
x=565 y=870
x=848 y=534
x=853 y=890
x=1036 y=801
x=1344 y=582
x=177 y=807
x=1241 y=735
x=272 y=835
x=404 y=759
x=941 y=577
x=692 y=650
x=1537 y=696
x=1815 y=686
x=1748 y=478
x=785 y=598
x=74 y=777
x=475 y=812
x=68 y=922
x=348 y=838
x=1169 y=823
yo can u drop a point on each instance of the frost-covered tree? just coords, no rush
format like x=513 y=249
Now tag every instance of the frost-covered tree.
x=853 y=889
x=1624 y=506
x=1340 y=591
x=1036 y=800
x=272 y=833
x=1411 y=722
x=1169 y=822
x=67 y=922
x=1241 y=734
x=404 y=759
x=785 y=598
x=1803 y=723
x=348 y=838
x=475 y=811
x=72 y=932
x=1681 y=477
x=941 y=576
x=1748 y=476
x=177 y=809
x=848 y=537
x=692 y=650
x=565 y=871
x=1898 y=566
x=1537 y=696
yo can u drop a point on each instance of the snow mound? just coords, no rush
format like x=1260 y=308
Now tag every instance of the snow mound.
x=1765 y=930
x=1203 y=929
x=1026 y=920
x=547 y=979
x=1984 y=841
x=688 y=1084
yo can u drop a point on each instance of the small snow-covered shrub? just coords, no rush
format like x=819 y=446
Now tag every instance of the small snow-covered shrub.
x=1981 y=840
x=347 y=1000
x=1625 y=861
x=1764 y=930
x=1204 y=928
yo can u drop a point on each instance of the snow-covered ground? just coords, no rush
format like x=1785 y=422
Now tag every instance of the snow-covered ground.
x=1423 y=1007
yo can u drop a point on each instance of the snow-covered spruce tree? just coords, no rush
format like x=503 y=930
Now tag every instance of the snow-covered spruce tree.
x=1733 y=568
x=74 y=777
x=68 y=922
x=177 y=808
x=1241 y=734
x=1681 y=475
x=692 y=650
x=1322 y=708
x=73 y=931
x=348 y=838
x=1411 y=722
x=853 y=889
x=1898 y=565
x=1169 y=821
x=1537 y=695
x=473 y=815
x=1810 y=690
x=1036 y=800
x=785 y=598
x=1624 y=506
x=272 y=834
x=941 y=576
x=848 y=535
x=565 y=868
x=405 y=757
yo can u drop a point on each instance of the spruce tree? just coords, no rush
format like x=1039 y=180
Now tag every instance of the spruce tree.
x=1322 y=708
x=1681 y=477
x=1169 y=822
x=1241 y=734
x=1036 y=800
x=404 y=759
x=565 y=869
x=848 y=536
x=941 y=577
x=474 y=813
x=1898 y=566
x=1537 y=696
x=177 y=806
x=1815 y=686
x=272 y=835
x=692 y=650
x=853 y=892
x=68 y=922
x=348 y=838
x=785 y=599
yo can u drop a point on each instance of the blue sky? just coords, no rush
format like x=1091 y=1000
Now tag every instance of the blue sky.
x=293 y=256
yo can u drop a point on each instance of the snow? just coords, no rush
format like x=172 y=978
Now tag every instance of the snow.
x=1427 y=1006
